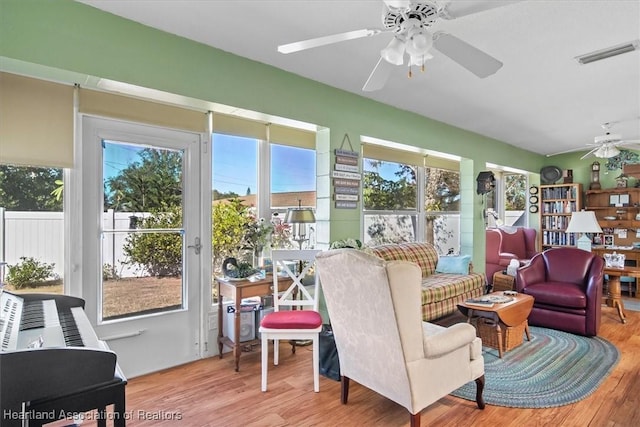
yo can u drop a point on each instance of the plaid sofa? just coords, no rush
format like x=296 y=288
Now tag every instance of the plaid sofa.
x=441 y=292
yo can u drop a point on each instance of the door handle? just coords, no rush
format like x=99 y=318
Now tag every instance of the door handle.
x=196 y=246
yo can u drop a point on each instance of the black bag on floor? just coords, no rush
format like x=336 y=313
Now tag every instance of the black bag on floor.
x=329 y=362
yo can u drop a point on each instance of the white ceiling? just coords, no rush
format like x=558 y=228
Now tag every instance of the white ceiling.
x=541 y=99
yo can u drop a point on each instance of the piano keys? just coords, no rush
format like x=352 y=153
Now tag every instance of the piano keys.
x=53 y=364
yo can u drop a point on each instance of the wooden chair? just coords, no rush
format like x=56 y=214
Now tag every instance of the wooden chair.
x=295 y=315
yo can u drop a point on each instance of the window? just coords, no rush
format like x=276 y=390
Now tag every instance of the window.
x=293 y=177
x=389 y=194
x=267 y=178
x=31 y=229
x=397 y=208
x=442 y=210
x=142 y=230
x=507 y=203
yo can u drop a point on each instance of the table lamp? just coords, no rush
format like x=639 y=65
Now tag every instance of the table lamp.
x=299 y=217
x=583 y=222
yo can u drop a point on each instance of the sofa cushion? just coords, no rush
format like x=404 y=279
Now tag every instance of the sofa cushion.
x=442 y=286
x=392 y=252
x=453 y=264
x=558 y=293
x=425 y=254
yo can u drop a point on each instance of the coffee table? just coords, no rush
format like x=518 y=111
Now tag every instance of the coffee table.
x=511 y=315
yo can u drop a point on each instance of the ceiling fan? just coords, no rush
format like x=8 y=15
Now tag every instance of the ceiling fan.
x=411 y=22
x=604 y=146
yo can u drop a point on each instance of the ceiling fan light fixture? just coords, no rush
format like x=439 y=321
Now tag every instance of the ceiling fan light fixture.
x=419 y=42
x=394 y=52
x=419 y=60
x=606 y=151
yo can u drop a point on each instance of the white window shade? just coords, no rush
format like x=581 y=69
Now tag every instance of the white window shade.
x=379 y=152
x=36 y=122
x=141 y=111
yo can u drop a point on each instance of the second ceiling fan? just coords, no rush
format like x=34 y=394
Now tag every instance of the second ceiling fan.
x=411 y=22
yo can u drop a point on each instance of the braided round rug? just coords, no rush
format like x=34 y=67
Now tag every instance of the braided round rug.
x=555 y=368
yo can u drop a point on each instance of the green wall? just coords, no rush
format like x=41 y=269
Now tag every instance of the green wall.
x=74 y=37
x=582 y=168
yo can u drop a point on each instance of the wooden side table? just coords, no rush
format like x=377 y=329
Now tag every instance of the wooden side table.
x=503 y=282
x=237 y=290
x=614 y=298
x=509 y=315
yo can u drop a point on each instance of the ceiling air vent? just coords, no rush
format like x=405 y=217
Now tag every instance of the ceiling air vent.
x=608 y=52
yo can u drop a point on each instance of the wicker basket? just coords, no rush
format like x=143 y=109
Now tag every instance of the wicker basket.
x=503 y=282
x=511 y=336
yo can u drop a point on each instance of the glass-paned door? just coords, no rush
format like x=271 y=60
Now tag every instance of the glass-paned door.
x=141 y=280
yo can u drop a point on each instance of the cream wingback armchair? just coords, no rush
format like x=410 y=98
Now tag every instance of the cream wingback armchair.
x=382 y=342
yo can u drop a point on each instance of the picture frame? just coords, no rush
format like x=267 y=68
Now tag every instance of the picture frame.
x=608 y=239
x=614 y=200
x=624 y=199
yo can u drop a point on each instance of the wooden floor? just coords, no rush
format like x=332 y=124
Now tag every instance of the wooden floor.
x=210 y=393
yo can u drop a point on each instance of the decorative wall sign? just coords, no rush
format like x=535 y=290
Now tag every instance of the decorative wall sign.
x=350 y=197
x=346 y=168
x=347 y=177
x=346 y=205
x=346 y=190
x=346 y=183
x=347 y=160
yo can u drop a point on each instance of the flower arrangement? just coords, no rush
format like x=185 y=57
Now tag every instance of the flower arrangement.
x=257 y=234
x=281 y=235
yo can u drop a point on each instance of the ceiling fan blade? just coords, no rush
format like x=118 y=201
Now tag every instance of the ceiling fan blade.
x=379 y=76
x=473 y=59
x=628 y=141
x=589 y=153
x=323 y=41
x=456 y=9
x=573 y=150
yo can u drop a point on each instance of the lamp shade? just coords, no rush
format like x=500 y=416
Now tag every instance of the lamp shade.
x=583 y=222
x=299 y=216
x=394 y=52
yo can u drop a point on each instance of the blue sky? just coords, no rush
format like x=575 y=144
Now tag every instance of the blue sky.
x=234 y=164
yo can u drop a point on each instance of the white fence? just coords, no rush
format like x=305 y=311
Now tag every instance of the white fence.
x=41 y=235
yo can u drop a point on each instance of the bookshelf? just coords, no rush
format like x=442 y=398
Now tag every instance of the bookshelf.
x=557 y=202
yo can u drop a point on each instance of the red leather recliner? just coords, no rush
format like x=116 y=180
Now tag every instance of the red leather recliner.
x=502 y=247
x=566 y=284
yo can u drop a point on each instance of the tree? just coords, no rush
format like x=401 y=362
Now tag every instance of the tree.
x=515 y=192
x=24 y=188
x=384 y=194
x=216 y=195
x=149 y=184
x=159 y=254
x=229 y=219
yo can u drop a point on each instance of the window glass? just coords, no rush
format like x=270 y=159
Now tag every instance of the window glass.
x=31 y=229
x=442 y=210
x=389 y=193
x=293 y=177
x=235 y=168
x=142 y=230
x=515 y=197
